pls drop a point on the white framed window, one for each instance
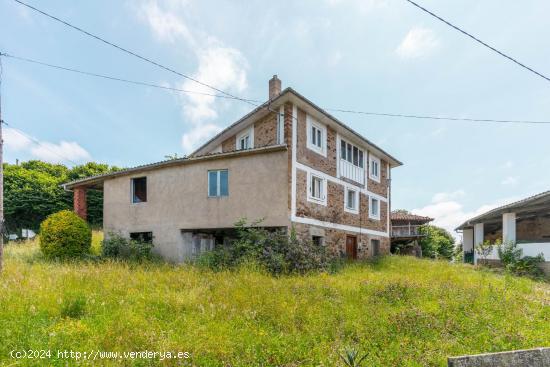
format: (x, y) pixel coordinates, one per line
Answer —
(352, 154)
(374, 168)
(316, 189)
(374, 208)
(245, 139)
(351, 200)
(316, 136)
(218, 183)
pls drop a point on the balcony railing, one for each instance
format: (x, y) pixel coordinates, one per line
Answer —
(406, 231)
(352, 172)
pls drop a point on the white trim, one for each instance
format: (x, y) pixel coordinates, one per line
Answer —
(308, 169)
(311, 122)
(294, 144)
(373, 158)
(281, 125)
(248, 131)
(388, 207)
(342, 227)
(310, 198)
(372, 215)
(356, 201)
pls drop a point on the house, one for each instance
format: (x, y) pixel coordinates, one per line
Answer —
(288, 162)
(405, 232)
(525, 222)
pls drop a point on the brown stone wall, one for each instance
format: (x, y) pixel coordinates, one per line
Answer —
(334, 210)
(532, 229)
(380, 188)
(265, 131)
(288, 141)
(228, 144)
(310, 158)
(335, 240)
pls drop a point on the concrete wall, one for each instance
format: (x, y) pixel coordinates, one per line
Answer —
(177, 199)
(539, 357)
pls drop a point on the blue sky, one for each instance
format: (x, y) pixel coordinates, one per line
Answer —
(371, 55)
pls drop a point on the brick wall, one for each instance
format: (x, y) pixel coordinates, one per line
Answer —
(265, 131)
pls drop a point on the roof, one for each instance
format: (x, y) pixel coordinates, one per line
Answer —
(408, 217)
(532, 204)
(94, 180)
(289, 93)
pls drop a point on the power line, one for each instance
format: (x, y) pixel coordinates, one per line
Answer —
(143, 58)
(477, 40)
(119, 79)
(382, 114)
(422, 117)
(38, 142)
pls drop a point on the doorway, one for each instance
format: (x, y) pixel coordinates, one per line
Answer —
(351, 247)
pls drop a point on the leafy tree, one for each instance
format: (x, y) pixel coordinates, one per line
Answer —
(437, 243)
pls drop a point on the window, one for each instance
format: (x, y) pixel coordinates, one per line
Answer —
(316, 136)
(374, 171)
(375, 244)
(351, 200)
(146, 237)
(318, 240)
(139, 190)
(374, 208)
(317, 187)
(351, 153)
(218, 183)
(245, 139)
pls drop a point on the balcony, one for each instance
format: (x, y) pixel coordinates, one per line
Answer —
(352, 172)
(406, 231)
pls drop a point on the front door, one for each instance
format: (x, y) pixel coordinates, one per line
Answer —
(351, 247)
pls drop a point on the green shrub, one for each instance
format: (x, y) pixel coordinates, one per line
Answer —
(276, 251)
(513, 260)
(65, 235)
(73, 307)
(117, 247)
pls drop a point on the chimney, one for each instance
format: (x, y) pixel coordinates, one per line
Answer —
(274, 87)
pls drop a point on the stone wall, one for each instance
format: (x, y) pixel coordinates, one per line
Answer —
(539, 357)
(532, 229)
(334, 210)
(265, 131)
(335, 240)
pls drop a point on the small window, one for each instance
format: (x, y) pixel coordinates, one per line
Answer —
(375, 244)
(318, 240)
(139, 190)
(146, 237)
(316, 136)
(281, 126)
(374, 208)
(245, 140)
(351, 199)
(374, 171)
(316, 187)
(218, 183)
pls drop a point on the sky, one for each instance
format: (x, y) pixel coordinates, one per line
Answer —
(368, 55)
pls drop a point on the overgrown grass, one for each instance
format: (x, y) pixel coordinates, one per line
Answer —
(401, 311)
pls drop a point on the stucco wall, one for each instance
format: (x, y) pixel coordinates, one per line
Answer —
(177, 199)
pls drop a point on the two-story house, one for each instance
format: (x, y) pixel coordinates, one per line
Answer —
(288, 162)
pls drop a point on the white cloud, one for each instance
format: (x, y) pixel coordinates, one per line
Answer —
(417, 43)
(43, 150)
(218, 65)
(510, 181)
(448, 213)
(198, 135)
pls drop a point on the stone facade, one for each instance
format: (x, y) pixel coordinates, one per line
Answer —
(265, 131)
(228, 144)
(535, 229)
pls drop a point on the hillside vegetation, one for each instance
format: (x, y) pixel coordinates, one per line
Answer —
(401, 311)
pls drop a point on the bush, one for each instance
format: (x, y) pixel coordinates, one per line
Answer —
(73, 307)
(117, 247)
(511, 257)
(276, 251)
(65, 235)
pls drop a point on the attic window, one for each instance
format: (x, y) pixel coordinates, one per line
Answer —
(139, 190)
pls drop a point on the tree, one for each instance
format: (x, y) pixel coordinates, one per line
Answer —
(437, 242)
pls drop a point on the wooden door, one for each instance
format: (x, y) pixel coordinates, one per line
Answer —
(351, 247)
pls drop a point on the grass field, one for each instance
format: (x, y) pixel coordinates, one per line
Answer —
(401, 311)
